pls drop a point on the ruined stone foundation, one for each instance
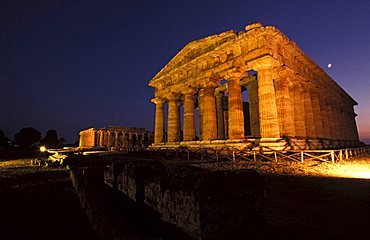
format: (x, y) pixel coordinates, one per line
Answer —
(204, 204)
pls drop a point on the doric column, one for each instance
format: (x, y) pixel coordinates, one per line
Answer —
(267, 102)
(298, 108)
(235, 104)
(352, 129)
(92, 139)
(332, 121)
(220, 115)
(108, 140)
(116, 138)
(159, 120)
(349, 115)
(96, 138)
(209, 112)
(345, 123)
(189, 116)
(284, 105)
(254, 108)
(173, 118)
(337, 123)
(324, 116)
(341, 122)
(317, 115)
(101, 139)
(179, 137)
(354, 136)
(308, 116)
(142, 136)
(200, 112)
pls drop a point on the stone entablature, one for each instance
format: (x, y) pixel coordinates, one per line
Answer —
(291, 99)
(115, 138)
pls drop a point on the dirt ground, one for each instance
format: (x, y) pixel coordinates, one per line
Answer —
(303, 200)
(39, 203)
(309, 199)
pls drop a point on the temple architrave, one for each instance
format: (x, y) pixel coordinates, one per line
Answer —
(252, 89)
(115, 138)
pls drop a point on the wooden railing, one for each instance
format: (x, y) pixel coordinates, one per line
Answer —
(230, 154)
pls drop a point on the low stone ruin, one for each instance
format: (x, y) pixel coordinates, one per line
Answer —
(204, 204)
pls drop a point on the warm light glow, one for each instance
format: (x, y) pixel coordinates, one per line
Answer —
(352, 171)
(42, 149)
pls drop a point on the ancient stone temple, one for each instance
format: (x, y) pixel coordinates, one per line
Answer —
(115, 138)
(250, 89)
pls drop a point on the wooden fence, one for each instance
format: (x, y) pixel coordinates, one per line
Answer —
(229, 154)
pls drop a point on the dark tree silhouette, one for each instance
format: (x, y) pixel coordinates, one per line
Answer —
(61, 141)
(27, 137)
(51, 139)
(4, 141)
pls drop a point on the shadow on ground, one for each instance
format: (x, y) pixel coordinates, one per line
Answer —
(41, 205)
(303, 206)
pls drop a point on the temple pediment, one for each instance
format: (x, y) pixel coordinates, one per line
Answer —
(195, 49)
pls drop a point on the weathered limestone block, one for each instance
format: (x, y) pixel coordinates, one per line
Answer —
(112, 172)
(135, 174)
(204, 204)
(209, 204)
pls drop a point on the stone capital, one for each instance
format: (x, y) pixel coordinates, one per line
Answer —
(209, 83)
(236, 74)
(219, 94)
(264, 63)
(158, 100)
(189, 90)
(173, 96)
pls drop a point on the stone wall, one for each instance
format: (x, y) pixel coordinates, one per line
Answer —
(204, 204)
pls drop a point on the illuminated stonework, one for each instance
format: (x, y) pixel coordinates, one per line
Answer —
(115, 138)
(292, 102)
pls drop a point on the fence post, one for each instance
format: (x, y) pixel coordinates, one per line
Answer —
(346, 152)
(340, 155)
(332, 156)
(233, 156)
(254, 155)
(275, 156)
(302, 156)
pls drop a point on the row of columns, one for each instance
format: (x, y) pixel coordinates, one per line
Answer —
(308, 112)
(264, 117)
(281, 104)
(108, 138)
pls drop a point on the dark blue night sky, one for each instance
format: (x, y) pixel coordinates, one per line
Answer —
(70, 65)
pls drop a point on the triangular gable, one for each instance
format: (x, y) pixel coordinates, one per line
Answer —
(195, 49)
